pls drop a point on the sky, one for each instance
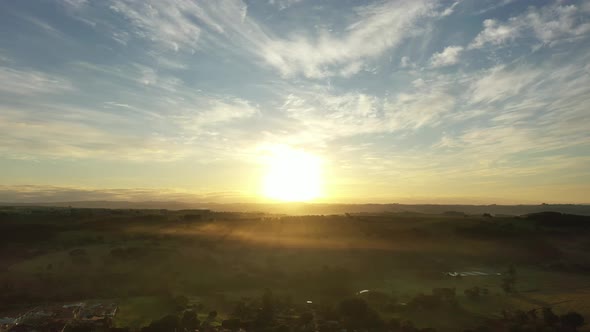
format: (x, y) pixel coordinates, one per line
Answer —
(419, 101)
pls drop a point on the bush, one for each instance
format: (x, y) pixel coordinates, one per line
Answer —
(356, 314)
(231, 324)
(165, 324)
(189, 320)
(475, 292)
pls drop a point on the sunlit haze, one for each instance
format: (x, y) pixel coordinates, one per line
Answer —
(421, 101)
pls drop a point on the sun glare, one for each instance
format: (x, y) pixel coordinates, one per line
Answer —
(292, 175)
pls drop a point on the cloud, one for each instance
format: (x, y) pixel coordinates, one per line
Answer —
(44, 26)
(31, 82)
(405, 62)
(163, 21)
(323, 116)
(555, 22)
(449, 56)
(495, 33)
(423, 108)
(538, 115)
(25, 136)
(548, 24)
(449, 10)
(65, 194)
(220, 112)
(283, 4)
(495, 5)
(75, 3)
(197, 25)
(327, 115)
(499, 83)
(189, 26)
(191, 120)
(377, 29)
(64, 131)
(351, 69)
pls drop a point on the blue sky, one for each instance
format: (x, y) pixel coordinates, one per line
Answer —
(404, 101)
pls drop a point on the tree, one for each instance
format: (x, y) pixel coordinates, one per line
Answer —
(394, 324)
(169, 323)
(306, 319)
(189, 320)
(180, 302)
(509, 280)
(408, 326)
(242, 311)
(266, 313)
(511, 270)
(549, 317)
(354, 307)
(231, 324)
(473, 293)
(210, 319)
(356, 314)
(572, 320)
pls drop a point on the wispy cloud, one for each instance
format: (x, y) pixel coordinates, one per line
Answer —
(499, 83)
(25, 136)
(75, 3)
(324, 116)
(163, 22)
(376, 29)
(283, 4)
(220, 112)
(63, 194)
(372, 30)
(449, 10)
(539, 116)
(31, 82)
(73, 133)
(44, 26)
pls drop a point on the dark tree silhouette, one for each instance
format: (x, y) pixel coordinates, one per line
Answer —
(189, 320)
(169, 323)
(572, 320)
(549, 317)
(267, 312)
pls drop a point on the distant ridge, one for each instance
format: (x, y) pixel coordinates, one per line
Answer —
(321, 208)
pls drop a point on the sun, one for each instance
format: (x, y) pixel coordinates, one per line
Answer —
(292, 175)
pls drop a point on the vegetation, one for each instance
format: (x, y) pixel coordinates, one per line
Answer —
(197, 269)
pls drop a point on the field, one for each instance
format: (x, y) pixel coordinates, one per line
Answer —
(153, 262)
